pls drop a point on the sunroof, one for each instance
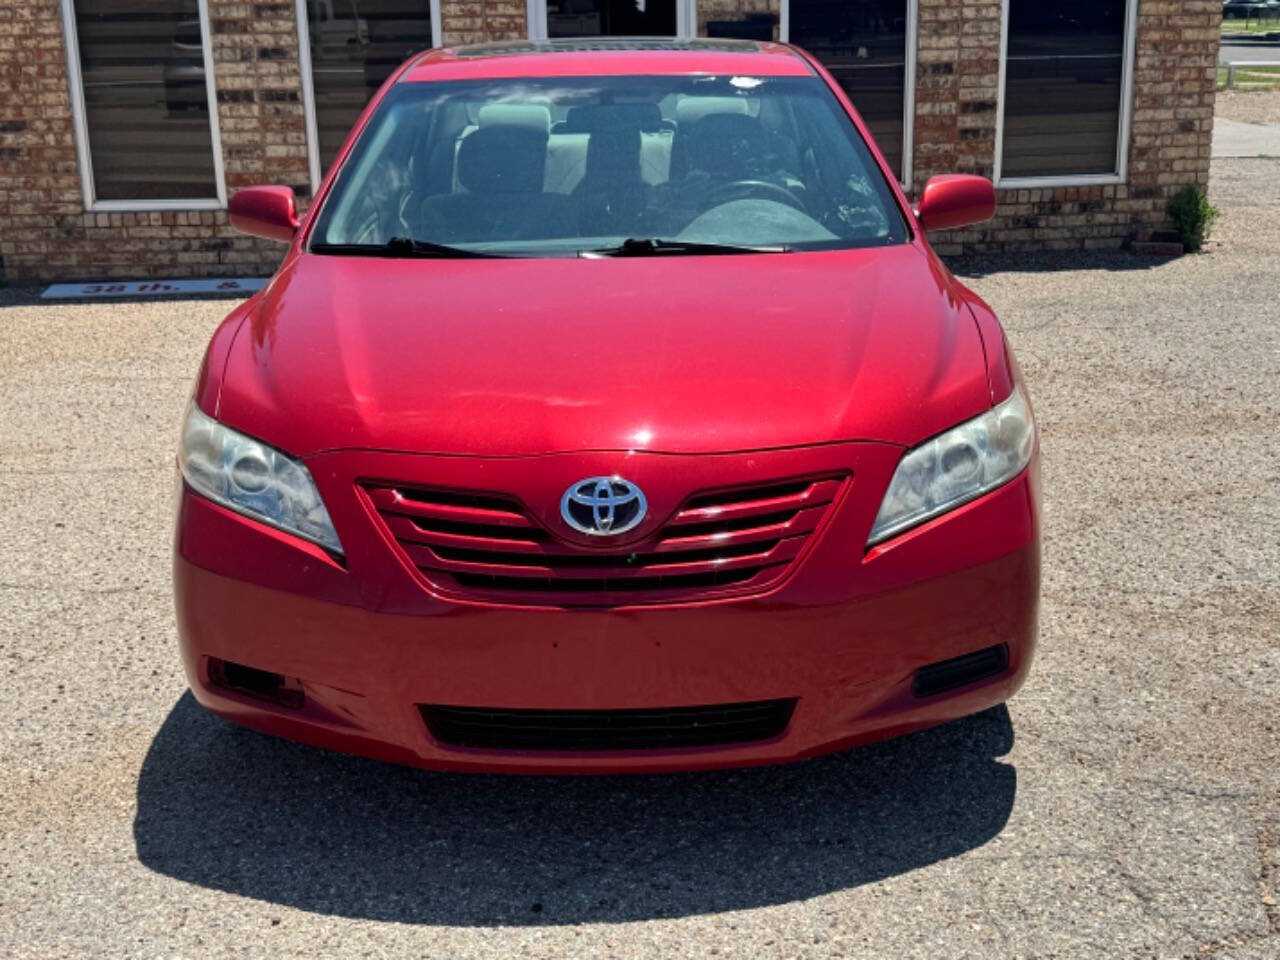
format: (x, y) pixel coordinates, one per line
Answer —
(603, 44)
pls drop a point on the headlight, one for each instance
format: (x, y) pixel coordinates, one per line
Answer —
(254, 479)
(961, 464)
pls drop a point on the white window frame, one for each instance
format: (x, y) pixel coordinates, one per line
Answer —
(1121, 174)
(309, 88)
(687, 29)
(80, 124)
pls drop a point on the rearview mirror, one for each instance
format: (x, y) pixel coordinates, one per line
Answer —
(267, 212)
(956, 200)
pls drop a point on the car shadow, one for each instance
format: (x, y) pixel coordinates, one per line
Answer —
(980, 266)
(233, 810)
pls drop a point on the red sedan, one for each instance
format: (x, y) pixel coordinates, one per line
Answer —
(609, 411)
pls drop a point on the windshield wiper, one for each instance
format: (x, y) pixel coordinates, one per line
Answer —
(404, 247)
(656, 247)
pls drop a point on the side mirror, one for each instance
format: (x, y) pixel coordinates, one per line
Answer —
(267, 212)
(956, 200)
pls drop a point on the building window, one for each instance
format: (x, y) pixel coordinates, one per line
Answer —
(869, 46)
(347, 49)
(549, 19)
(1066, 75)
(611, 18)
(141, 89)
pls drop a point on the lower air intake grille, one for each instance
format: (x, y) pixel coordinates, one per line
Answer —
(958, 672)
(646, 729)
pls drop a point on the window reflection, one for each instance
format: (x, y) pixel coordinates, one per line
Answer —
(1063, 78)
(355, 46)
(145, 99)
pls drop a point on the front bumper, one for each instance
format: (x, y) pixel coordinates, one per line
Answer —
(844, 634)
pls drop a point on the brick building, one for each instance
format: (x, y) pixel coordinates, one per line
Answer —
(125, 124)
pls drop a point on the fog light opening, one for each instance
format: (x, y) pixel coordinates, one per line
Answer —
(259, 684)
(960, 671)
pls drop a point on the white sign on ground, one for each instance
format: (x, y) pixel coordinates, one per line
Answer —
(153, 288)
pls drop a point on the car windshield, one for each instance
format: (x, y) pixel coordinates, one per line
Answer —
(617, 165)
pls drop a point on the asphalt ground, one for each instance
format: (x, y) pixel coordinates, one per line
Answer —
(1250, 50)
(1125, 804)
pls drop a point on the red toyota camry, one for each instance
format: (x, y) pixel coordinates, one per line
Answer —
(609, 411)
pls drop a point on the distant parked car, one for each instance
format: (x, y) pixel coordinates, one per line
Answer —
(184, 82)
(1242, 9)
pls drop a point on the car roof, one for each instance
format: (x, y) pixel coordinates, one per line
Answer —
(595, 57)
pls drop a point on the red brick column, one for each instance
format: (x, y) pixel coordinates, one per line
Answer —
(260, 120)
(1175, 84)
(45, 231)
(1174, 87)
(41, 210)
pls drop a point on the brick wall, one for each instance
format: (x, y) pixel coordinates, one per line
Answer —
(46, 234)
(735, 10)
(1175, 82)
(475, 21)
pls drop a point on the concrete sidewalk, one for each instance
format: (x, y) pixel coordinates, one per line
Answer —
(1232, 138)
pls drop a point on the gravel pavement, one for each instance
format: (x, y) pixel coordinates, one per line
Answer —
(1126, 803)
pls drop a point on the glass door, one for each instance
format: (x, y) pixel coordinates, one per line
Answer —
(352, 46)
(868, 45)
(609, 18)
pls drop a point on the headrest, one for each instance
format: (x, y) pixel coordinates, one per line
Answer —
(610, 116)
(503, 160)
(690, 110)
(533, 116)
(729, 145)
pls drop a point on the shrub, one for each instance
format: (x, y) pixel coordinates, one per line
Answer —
(1193, 215)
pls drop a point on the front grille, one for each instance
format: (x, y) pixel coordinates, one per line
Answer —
(647, 729)
(718, 543)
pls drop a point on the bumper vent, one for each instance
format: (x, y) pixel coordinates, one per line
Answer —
(720, 543)
(958, 672)
(648, 729)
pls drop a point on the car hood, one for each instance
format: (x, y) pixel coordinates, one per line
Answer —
(672, 354)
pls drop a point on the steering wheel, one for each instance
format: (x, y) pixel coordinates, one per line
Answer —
(742, 189)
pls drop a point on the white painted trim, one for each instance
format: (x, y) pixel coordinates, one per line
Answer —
(307, 79)
(912, 41)
(211, 91)
(79, 119)
(124, 206)
(434, 8)
(1127, 90)
(687, 18)
(1071, 180)
(1121, 173)
(998, 161)
(536, 19)
(909, 94)
(80, 127)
